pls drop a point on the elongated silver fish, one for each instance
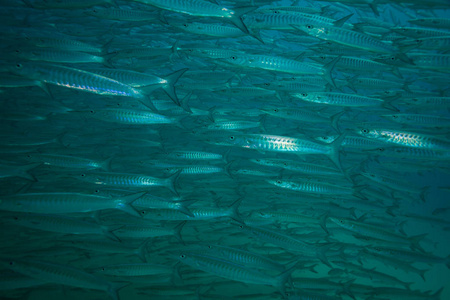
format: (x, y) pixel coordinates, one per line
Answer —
(74, 79)
(408, 139)
(59, 203)
(65, 275)
(202, 8)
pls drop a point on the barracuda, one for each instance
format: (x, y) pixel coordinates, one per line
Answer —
(74, 79)
(202, 8)
(131, 180)
(408, 139)
(281, 64)
(233, 271)
(276, 143)
(65, 275)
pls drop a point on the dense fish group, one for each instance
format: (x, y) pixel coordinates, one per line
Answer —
(195, 149)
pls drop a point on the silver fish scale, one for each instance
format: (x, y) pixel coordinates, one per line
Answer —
(76, 79)
(259, 150)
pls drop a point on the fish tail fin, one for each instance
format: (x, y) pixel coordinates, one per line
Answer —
(169, 87)
(334, 155)
(106, 63)
(184, 102)
(407, 285)
(374, 8)
(22, 171)
(323, 222)
(226, 168)
(335, 120)
(234, 212)
(126, 201)
(108, 232)
(106, 164)
(45, 88)
(113, 289)
(328, 68)
(226, 155)
(414, 240)
(257, 35)
(437, 294)
(387, 103)
(148, 101)
(422, 274)
(171, 182)
(183, 207)
(237, 18)
(284, 277)
(142, 249)
(177, 231)
(175, 278)
(424, 192)
(322, 256)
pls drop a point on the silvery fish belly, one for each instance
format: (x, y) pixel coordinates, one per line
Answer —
(251, 150)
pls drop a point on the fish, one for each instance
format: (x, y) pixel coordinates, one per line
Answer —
(74, 79)
(58, 203)
(197, 149)
(65, 275)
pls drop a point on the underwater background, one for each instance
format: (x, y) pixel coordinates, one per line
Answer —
(175, 149)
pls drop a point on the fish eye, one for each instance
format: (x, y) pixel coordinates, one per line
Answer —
(395, 116)
(233, 57)
(276, 11)
(241, 226)
(83, 175)
(182, 255)
(309, 26)
(11, 263)
(304, 94)
(232, 137)
(266, 84)
(275, 110)
(185, 25)
(381, 149)
(324, 138)
(16, 218)
(209, 247)
(19, 66)
(94, 10)
(365, 131)
(393, 58)
(341, 221)
(17, 51)
(278, 181)
(103, 269)
(92, 111)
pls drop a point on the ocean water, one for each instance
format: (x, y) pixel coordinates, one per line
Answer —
(184, 149)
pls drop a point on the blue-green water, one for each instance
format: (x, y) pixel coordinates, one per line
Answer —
(184, 149)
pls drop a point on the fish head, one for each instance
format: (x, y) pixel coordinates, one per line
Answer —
(328, 139)
(367, 132)
(303, 95)
(16, 68)
(271, 111)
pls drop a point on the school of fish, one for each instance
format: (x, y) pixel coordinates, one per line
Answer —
(196, 149)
